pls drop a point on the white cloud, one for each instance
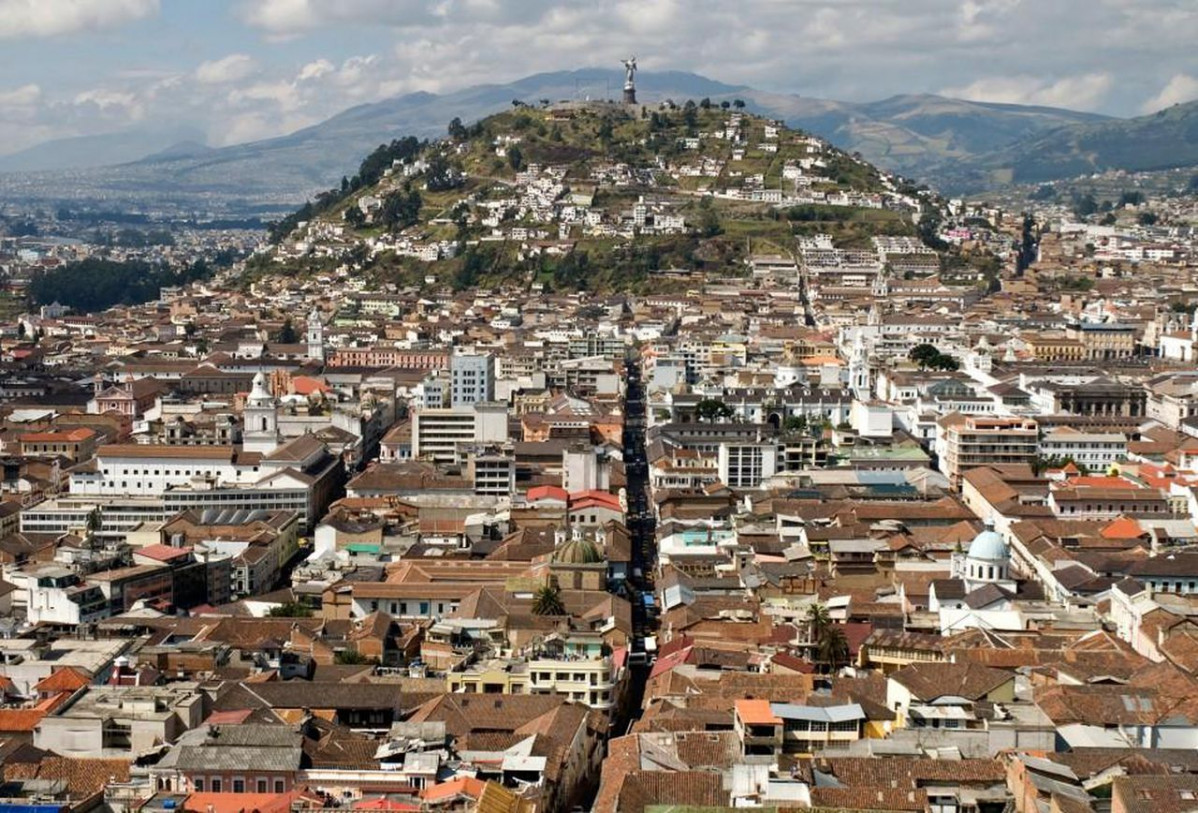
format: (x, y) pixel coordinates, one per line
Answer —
(111, 103)
(232, 68)
(1085, 92)
(48, 18)
(1107, 55)
(1181, 88)
(315, 70)
(23, 96)
(288, 18)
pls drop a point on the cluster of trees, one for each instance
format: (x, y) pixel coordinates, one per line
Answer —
(441, 175)
(1028, 245)
(712, 410)
(95, 284)
(369, 172)
(929, 231)
(475, 263)
(400, 209)
(811, 213)
(929, 358)
(133, 238)
(290, 609)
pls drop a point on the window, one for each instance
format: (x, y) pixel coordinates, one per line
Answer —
(278, 786)
(216, 785)
(239, 786)
(198, 783)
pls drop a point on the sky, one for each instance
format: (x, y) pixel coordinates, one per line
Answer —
(240, 70)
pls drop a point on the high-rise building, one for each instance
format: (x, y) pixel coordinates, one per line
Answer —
(472, 379)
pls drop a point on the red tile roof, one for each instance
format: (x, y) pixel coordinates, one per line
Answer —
(66, 679)
(756, 712)
(548, 493)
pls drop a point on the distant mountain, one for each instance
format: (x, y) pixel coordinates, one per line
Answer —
(914, 133)
(1164, 140)
(182, 149)
(951, 143)
(85, 152)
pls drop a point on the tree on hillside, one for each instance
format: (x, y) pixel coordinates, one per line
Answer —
(548, 601)
(457, 130)
(440, 175)
(739, 104)
(355, 217)
(401, 209)
(287, 334)
(515, 158)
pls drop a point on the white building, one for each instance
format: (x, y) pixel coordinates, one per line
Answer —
(1095, 450)
(440, 434)
(746, 465)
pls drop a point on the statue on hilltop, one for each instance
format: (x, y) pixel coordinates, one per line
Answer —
(629, 79)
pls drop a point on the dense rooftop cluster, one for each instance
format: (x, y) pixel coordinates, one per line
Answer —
(878, 502)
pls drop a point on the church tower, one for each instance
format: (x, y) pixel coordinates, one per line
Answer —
(315, 336)
(859, 369)
(261, 432)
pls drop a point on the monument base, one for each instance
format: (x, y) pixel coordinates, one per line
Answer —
(629, 95)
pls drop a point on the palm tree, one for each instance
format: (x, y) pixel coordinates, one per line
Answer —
(818, 620)
(95, 524)
(548, 601)
(830, 647)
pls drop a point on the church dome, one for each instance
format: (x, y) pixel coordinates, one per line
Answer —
(578, 552)
(989, 546)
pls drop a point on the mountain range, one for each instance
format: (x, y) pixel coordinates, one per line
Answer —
(953, 144)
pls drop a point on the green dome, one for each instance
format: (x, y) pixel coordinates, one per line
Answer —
(578, 552)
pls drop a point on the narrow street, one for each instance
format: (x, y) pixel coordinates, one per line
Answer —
(641, 526)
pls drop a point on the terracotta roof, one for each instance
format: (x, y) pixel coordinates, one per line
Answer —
(756, 712)
(66, 679)
(927, 681)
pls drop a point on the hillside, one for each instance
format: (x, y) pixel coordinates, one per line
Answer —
(928, 137)
(594, 195)
(914, 134)
(1164, 140)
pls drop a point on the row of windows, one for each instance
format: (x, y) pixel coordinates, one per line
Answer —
(238, 785)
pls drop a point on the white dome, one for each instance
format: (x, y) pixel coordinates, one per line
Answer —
(988, 545)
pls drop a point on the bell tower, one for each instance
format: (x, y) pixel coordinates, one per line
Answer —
(315, 336)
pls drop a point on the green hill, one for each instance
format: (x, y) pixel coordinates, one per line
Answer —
(1164, 140)
(594, 195)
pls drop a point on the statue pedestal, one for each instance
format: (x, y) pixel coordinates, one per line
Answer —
(629, 95)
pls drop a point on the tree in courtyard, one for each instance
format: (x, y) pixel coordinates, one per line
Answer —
(711, 410)
(548, 601)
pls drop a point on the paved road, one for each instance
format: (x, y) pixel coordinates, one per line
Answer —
(641, 526)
